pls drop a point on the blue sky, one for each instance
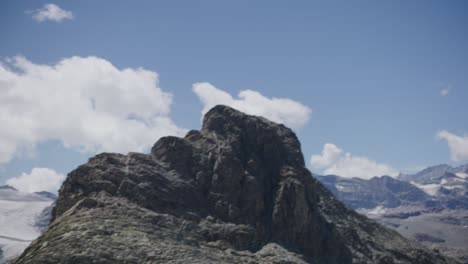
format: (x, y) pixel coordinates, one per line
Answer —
(371, 72)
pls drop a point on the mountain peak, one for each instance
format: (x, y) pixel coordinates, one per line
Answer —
(434, 173)
(238, 185)
(238, 129)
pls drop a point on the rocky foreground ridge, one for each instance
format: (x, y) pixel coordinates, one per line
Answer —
(237, 191)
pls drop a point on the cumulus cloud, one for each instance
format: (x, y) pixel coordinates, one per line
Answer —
(334, 160)
(51, 12)
(86, 103)
(458, 145)
(281, 110)
(39, 179)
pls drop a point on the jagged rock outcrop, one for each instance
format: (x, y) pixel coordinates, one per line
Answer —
(237, 191)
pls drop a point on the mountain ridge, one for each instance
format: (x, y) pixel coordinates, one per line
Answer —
(235, 191)
(432, 201)
(433, 173)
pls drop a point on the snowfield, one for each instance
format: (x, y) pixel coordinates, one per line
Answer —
(18, 216)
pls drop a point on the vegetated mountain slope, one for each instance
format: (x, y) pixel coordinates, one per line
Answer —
(19, 215)
(237, 191)
(431, 209)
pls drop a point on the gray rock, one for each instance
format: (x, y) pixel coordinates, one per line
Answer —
(43, 219)
(236, 191)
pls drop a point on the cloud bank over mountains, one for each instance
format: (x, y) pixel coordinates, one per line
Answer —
(458, 145)
(281, 110)
(334, 161)
(92, 106)
(85, 102)
(39, 179)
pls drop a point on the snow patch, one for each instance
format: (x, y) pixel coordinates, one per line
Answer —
(431, 189)
(379, 210)
(18, 216)
(454, 187)
(340, 187)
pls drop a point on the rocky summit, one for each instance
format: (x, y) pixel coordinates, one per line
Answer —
(237, 191)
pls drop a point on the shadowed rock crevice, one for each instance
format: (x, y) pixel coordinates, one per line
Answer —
(237, 191)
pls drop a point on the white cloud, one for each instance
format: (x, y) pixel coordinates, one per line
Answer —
(445, 91)
(280, 110)
(51, 12)
(86, 103)
(458, 145)
(334, 160)
(39, 179)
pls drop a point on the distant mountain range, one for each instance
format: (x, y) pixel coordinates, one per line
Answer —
(378, 191)
(435, 173)
(430, 206)
(22, 217)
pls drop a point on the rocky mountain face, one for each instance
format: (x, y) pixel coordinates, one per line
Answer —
(430, 207)
(22, 217)
(237, 191)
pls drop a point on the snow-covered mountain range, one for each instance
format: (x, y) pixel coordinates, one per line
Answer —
(22, 217)
(430, 206)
